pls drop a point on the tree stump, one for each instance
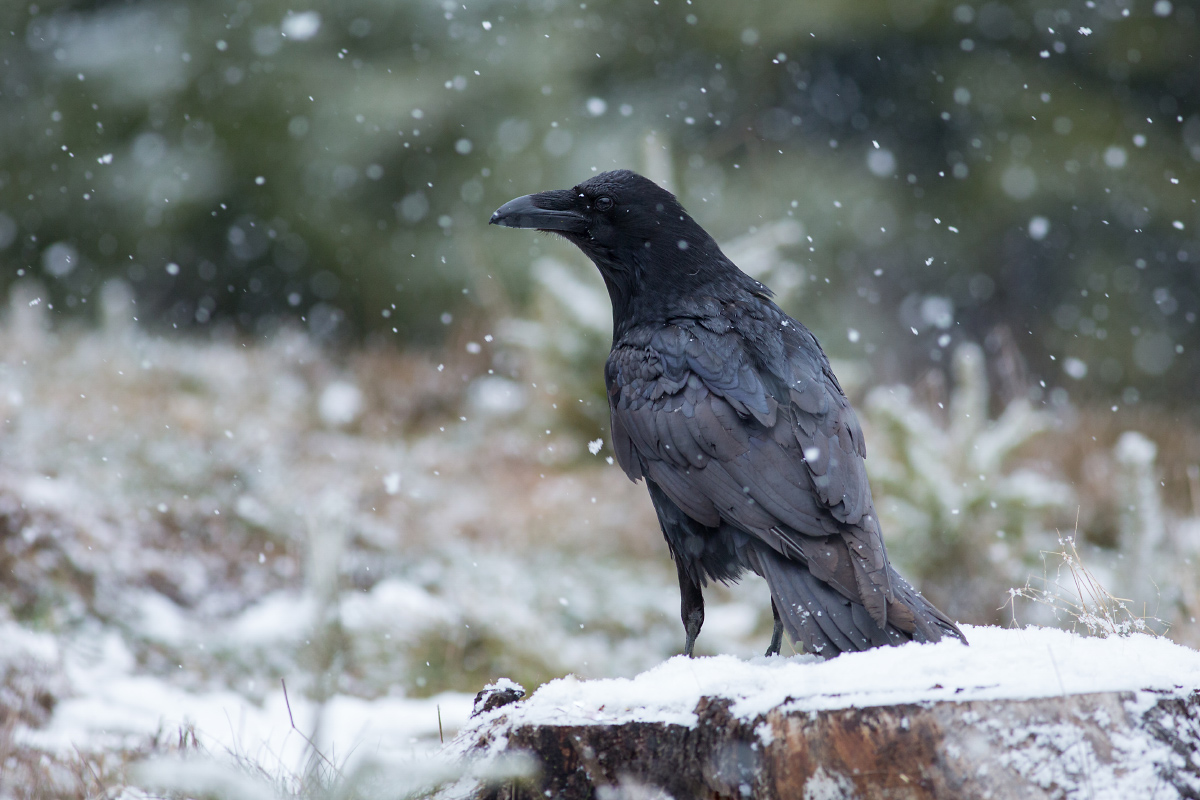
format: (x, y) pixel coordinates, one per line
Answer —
(1110, 718)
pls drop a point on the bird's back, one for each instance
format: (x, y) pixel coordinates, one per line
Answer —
(729, 409)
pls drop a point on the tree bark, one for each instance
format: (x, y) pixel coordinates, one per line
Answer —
(1106, 745)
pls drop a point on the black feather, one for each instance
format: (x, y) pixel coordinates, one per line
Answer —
(731, 412)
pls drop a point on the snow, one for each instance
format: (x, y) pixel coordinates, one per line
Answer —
(1000, 663)
(22, 644)
(1078, 750)
(279, 617)
(114, 705)
(1134, 448)
(340, 404)
(1039, 226)
(207, 590)
(301, 27)
(497, 396)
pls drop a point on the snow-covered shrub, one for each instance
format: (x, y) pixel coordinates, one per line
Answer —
(209, 504)
(1142, 520)
(1155, 565)
(960, 517)
(1142, 580)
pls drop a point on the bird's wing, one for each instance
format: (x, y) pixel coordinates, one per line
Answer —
(776, 452)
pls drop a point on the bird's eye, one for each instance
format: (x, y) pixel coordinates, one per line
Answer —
(604, 203)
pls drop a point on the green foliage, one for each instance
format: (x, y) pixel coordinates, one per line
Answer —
(1058, 142)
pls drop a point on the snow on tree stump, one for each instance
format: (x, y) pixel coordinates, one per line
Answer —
(1033, 713)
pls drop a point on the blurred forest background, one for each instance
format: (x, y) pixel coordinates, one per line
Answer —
(1023, 165)
(272, 391)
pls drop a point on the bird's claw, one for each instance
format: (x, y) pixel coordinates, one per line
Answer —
(776, 633)
(693, 631)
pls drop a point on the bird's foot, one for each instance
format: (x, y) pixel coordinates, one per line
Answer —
(776, 634)
(690, 644)
(692, 629)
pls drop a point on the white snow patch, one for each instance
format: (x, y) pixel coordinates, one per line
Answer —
(1000, 663)
(340, 404)
(124, 709)
(881, 163)
(497, 396)
(1135, 448)
(395, 605)
(279, 617)
(159, 619)
(1039, 226)
(1115, 157)
(302, 26)
(22, 644)
(828, 786)
(110, 705)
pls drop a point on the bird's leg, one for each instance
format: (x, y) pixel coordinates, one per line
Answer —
(693, 617)
(691, 602)
(777, 634)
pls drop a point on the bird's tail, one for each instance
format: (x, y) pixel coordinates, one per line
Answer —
(930, 624)
(828, 623)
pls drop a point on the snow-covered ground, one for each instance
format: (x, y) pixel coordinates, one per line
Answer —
(186, 523)
(110, 704)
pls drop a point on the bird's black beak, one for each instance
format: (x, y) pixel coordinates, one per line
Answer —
(546, 211)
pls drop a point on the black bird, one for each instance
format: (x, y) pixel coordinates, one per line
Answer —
(729, 410)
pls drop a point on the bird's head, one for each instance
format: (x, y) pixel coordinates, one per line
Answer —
(636, 233)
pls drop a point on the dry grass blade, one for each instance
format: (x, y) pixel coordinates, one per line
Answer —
(310, 742)
(1083, 598)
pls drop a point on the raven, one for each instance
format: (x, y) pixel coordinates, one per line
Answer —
(729, 410)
